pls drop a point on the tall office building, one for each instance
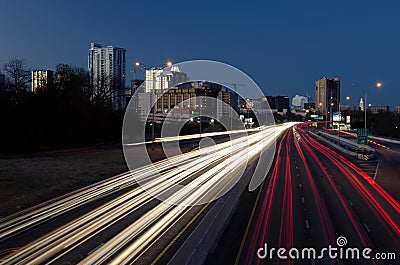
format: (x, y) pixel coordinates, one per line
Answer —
(278, 103)
(378, 109)
(282, 103)
(327, 95)
(158, 78)
(41, 79)
(361, 104)
(189, 98)
(107, 70)
(227, 103)
(298, 102)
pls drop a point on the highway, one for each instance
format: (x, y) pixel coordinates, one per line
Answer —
(313, 196)
(117, 221)
(385, 169)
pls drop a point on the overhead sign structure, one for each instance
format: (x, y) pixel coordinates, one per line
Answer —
(362, 136)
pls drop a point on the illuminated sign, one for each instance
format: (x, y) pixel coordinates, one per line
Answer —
(337, 116)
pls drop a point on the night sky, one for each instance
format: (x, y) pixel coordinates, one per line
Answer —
(283, 45)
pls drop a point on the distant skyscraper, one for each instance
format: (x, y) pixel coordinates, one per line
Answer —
(361, 104)
(377, 109)
(327, 92)
(158, 78)
(298, 102)
(41, 79)
(129, 92)
(349, 108)
(278, 103)
(107, 69)
(226, 103)
(282, 103)
(309, 105)
(258, 105)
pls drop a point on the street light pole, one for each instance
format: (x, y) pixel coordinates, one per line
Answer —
(340, 121)
(154, 105)
(201, 103)
(351, 110)
(365, 111)
(331, 104)
(154, 100)
(378, 85)
(320, 108)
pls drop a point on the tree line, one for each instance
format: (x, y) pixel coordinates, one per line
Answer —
(68, 112)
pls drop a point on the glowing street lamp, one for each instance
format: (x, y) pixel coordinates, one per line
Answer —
(320, 107)
(168, 64)
(378, 85)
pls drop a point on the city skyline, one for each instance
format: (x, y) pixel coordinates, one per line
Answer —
(199, 132)
(284, 47)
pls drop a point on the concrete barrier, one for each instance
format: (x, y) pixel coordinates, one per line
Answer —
(359, 154)
(384, 139)
(346, 142)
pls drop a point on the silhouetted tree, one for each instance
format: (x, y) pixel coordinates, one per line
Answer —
(102, 92)
(82, 81)
(384, 123)
(64, 75)
(17, 75)
(2, 83)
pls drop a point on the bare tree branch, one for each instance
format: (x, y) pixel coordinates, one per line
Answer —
(18, 75)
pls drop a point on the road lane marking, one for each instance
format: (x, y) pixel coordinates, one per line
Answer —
(239, 254)
(366, 227)
(351, 204)
(182, 231)
(376, 171)
(180, 234)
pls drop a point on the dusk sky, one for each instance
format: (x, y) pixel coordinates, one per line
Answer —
(283, 45)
